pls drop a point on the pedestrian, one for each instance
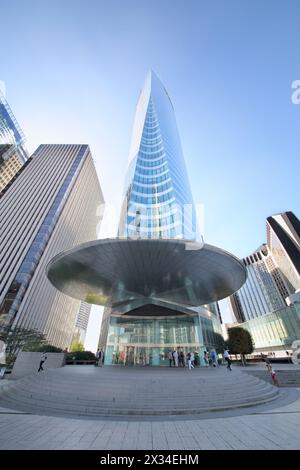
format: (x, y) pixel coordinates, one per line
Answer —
(273, 374)
(192, 359)
(100, 360)
(179, 359)
(213, 356)
(206, 359)
(189, 359)
(227, 359)
(97, 355)
(43, 359)
(170, 357)
(182, 358)
(175, 358)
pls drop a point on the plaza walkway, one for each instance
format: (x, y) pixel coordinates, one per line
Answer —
(271, 425)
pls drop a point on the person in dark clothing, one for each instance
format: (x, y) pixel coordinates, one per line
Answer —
(182, 361)
(43, 359)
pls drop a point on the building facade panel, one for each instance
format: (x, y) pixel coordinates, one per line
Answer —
(58, 211)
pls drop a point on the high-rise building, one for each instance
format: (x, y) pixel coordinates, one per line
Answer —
(283, 238)
(158, 202)
(51, 206)
(158, 282)
(264, 289)
(82, 321)
(13, 153)
(267, 304)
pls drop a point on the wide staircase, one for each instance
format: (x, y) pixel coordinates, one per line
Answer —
(88, 391)
(286, 378)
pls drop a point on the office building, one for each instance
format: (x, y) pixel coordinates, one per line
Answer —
(13, 153)
(51, 206)
(268, 303)
(159, 284)
(81, 322)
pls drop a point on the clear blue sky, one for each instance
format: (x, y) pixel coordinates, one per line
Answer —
(73, 70)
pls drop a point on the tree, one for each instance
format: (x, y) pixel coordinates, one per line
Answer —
(240, 342)
(76, 346)
(19, 338)
(220, 343)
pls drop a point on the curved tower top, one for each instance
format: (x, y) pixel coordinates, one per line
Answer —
(158, 201)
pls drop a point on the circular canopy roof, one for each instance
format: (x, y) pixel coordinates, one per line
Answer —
(112, 272)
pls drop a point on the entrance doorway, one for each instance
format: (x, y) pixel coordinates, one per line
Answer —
(129, 357)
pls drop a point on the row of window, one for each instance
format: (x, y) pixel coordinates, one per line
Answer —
(161, 222)
(152, 148)
(151, 189)
(149, 163)
(152, 171)
(156, 180)
(152, 200)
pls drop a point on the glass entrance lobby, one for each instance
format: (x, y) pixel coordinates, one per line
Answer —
(148, 341)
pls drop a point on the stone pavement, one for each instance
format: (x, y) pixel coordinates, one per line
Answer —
(273, 426)
(272, 430)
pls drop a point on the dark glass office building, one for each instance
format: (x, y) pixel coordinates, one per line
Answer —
(13, 153)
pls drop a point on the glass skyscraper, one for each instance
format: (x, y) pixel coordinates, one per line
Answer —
(158, 202)
(264, 304)
(12, 150)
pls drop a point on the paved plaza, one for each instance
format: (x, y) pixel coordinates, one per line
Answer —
(271, 425)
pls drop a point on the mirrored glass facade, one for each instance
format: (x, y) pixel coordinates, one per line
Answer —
(273, 278)
(158, 202)
(12, 150)
(276, 330)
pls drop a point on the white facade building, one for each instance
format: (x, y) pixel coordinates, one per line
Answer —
(50, 207)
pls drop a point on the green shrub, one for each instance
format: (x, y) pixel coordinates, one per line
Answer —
(47, 348)
(81, 356)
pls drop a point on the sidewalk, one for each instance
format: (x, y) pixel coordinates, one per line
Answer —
(271, 429)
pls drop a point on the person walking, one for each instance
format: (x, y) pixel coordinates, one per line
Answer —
(175, 357)
(182, 358)
(206, 359)
(227, 359)
(43, 359)
(192, 359)
(179, 359)
(101, 356)
(190, 364)
(97, 355)
(214, 359)
(273, 374)
(170, 357)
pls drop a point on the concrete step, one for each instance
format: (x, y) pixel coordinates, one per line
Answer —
(286, 378)
(107, 391)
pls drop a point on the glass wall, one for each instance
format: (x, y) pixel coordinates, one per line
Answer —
(148, 341)
(158, 202)
(276, 329)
